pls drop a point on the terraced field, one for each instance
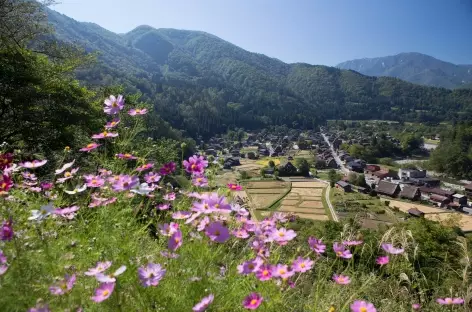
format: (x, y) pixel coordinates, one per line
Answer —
(304, 200)
(263, 194)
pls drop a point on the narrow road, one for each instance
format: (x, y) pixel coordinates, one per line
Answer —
(330, 206)
(335, 155)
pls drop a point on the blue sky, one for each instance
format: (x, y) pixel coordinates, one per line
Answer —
(313, 31)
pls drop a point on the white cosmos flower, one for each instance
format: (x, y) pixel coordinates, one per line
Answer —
(42, 213)
(78, 189)
(65, 167)
(102, 278)
(143, 189)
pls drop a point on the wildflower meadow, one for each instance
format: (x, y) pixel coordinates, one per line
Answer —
(110, 228)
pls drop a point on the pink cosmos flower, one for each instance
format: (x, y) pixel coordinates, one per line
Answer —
(175, 241)
(137, 111)
(63, 286)
(125, 183)
(240, 233)
(167, 168)
(126, 156)
(68, 212)
(169, 196)
(341, 279)
(203, 304)
(167, 229)
(235, 187)
(145, 167)
(352, 243)
(416, 306)
(200, 181)
(5, 160)
(6, 183)
(102, 278)
(99, 268)
(302, 265)
(219, 203)
(40, 307)
(104, 135)
(253, 301)
(194, 195)
(392, 250)
(152, 177)
(46, 186)
(282, 235)
(151, 274)
(6, 231)
(89, 147)
(362, 306)
(449, 301)
(203, 207)
(264, 272)
(113, 105)
(94, 180)
(33, 164)
(382, 260)
(97, 201)
(3, 263)
(250, 266)
(316, 245)
(112, 124)
(29, 176)
(203, 223)
(195, 165)
(163, 207)
(341, 251)
(180, 215)
(280, 217)
(217, 232)
(282, 271)
(103, 292)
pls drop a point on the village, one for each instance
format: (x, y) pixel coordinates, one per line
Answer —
(289, 171)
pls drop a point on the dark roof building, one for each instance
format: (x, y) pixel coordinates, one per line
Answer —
(410, 192)
(436, 191)
(388, 188)
(415, 212)
(344, 185)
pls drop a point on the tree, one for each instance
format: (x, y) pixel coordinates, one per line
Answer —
(333, 177)
(303, 166)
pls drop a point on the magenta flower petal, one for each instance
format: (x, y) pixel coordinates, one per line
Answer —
(253, 301)
(203, 304)
(103, 292)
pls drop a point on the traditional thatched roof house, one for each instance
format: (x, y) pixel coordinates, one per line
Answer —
(415, 212)
(388, 188)
(346, 187)
(410, 192)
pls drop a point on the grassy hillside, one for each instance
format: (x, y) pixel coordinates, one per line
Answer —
(171, 248)
(191, 77)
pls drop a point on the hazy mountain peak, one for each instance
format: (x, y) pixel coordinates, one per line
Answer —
(413, 67)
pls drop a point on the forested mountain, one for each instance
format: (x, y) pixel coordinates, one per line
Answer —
(414, 67)
(203, 84)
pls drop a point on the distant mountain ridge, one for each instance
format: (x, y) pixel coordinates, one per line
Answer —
(415, 68)
(203, 84)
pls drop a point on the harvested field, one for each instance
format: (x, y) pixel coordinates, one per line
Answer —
(262, 201)
(404, 207)
(310, 184)
(302, 210)
(290, 202)
(311, 204)
(316, 198)
(264, 191)
(436, 214)
(304, 200)
(316, 217)
(266, 185)
(308, 191)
